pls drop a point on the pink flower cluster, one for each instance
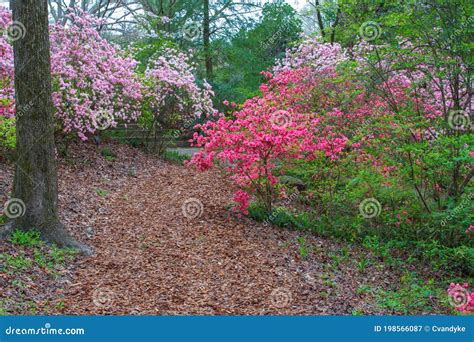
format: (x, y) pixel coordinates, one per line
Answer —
(461, 298)
(91, 78)
(314, 54)
(268, 130)
(171, 76)
(6, 68)
(311, 107)
(94, 82)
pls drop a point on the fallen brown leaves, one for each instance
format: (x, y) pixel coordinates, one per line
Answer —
(153, 258)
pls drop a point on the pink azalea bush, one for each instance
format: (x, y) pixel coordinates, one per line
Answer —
(387, 135)
(461, 298)
(269, 130)
(6, 68)
(95, 85)
(172, 95)
(92, 79)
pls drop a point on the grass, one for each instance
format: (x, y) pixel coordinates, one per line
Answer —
(29, 261)
(108, 154)
(101, 192)
(413, 294)
(35, 252)
(13, 263)
(29, 238)
(175, 157)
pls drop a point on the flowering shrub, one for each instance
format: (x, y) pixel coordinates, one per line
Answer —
(173, 100)
(461, 298)
(314, 54)
(266, 132)
(6, 68)
(92, 81)
(171, 91)
(92, 78)
(349, 134)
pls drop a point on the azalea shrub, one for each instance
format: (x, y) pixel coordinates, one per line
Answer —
(6, 68)
(97, 85)
(266, 133)
(94, 84)
(173, 99)
(356, 127)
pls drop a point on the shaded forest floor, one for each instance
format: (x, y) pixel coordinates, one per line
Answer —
(154, 259)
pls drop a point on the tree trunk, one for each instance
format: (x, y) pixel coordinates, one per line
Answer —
(320, 21)
(35, 180)
(206, 32)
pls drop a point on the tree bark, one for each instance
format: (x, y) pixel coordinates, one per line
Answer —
(35, 180)
(206, 32)
(320, 20)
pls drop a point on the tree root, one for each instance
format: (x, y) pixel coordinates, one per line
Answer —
(56, 234)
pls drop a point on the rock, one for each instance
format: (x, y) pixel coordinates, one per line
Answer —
(293, 181)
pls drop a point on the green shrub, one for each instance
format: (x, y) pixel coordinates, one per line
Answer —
(7, 136)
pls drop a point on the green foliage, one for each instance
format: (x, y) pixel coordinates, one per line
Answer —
(7, 135)
(252, 50)
(451, 260)
(30, 238)
(175, 157)
(302, 247)
(101, 192)
(16, 262)
(413, 296)
(149, 48)
(108, 154)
